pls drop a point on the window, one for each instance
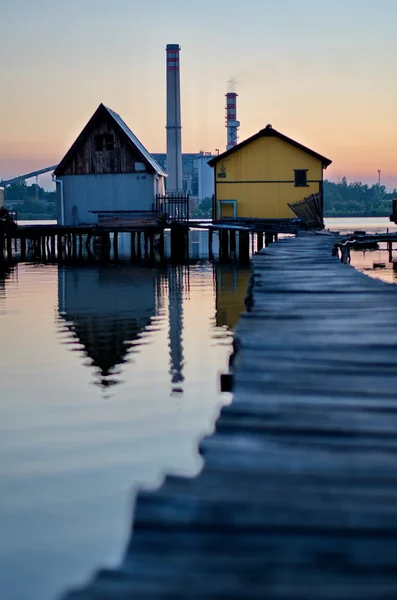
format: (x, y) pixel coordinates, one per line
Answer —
(104, 141)
(300, 177)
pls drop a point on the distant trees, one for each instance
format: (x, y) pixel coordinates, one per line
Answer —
(203, 209)
(356, 199)
(31, 202)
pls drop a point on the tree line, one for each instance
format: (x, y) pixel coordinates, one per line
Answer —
(31, 201)
(341, 199)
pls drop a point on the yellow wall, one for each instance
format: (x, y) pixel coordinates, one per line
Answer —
(260, 176)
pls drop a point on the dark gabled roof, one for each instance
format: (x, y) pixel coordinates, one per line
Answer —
(125, 132)
(269, 132)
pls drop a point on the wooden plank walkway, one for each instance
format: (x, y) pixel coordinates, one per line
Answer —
(297, 498)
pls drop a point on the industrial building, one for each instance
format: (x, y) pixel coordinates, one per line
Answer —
(260, 177)
(106, 170)
(197, 175)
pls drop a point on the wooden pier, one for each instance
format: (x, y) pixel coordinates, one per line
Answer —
(297, 497)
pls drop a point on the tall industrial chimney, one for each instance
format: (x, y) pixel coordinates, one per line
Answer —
(232, 124)
(174, 143)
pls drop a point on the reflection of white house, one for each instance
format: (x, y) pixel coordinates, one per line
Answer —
(107, 169)
(106, 309)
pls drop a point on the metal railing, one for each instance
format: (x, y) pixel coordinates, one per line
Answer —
(174, 208)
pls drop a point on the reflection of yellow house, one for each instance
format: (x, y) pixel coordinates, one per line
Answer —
(259, 177)
(231, 288)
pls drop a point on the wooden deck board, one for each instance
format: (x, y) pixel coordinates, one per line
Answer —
(297, 498)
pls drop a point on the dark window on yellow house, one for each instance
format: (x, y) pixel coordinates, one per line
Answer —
(300, 177)
(104, 141)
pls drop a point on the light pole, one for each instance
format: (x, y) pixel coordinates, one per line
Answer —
(379, 184)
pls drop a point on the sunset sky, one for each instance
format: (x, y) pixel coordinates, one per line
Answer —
(322, 73)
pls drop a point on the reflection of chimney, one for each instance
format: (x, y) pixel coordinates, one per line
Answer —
(175, 315)
(231, 119)
(173, 126)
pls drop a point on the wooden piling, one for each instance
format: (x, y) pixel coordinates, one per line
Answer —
(161, 244)
(232, 243)
(268, 238)
(259, 240)
(146, 244)
(244, 246)
(210, 239)
(116, 245)
(133, 250)
(23, 248)
(223, 244)
(9, 248)
(139, 245)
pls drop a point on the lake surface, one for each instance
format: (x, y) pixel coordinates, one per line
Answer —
(110, 375)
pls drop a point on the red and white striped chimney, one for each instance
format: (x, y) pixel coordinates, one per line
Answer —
(232, 124)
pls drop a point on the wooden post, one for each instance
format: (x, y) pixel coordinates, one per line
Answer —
(223, 244)
(233, 243)
(116, 245)
(9, 248)
(390, 251)
(268, 239)
(74, 245)
(105, 245)
(133, 251)
(139, 244)
(244, 246)
(161, 244)
(80, 246)
(151, 246)
(259, 240)
(16, 244)
(43, 248)
(23, 248)
(88, 240)
(210, 236)
(146, 244)
(59, 246)
(179, 240)
(1, 248)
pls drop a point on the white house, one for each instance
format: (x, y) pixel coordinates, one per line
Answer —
(106, 170)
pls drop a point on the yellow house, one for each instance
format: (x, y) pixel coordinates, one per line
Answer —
(259, 177)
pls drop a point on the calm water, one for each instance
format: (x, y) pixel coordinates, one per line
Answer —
(369, 261)
(109, 377)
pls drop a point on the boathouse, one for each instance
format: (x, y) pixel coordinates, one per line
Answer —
(262, 176)
(106, 171)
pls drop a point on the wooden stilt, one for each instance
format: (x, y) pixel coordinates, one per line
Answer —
(146, 244)
(268, 239)
(259, 240)
(116, 245)
(23, 248)
(244, 246)
(139, 245)
(161, 244)
(133, 249)
(232, 243)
